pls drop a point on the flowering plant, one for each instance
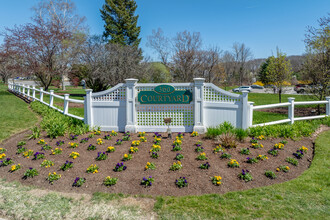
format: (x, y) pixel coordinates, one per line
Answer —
(53, 177)
(262, 157)
(180, 135)
(254, 140)
(57, 151)
(261, 137)
(135, 143)
(205, 166)
(270, 174)
(31, 172)
(74, 155)
(26, 154)
(216, 180)
(84, 140)
(181, 182)
(101, 156)
(245, 175)
(92, 169)
(108, 181)
(91, 135)
(303, 149)
(15, 167)
(67, 165)
(176, 147)
(127, 157)
(2, 155)
(155, 148)
(218, 149)
(99, 141)
(179, 156)
(283, 168)
(79, 182)
(73, 137)
(6, 162)
(154, 155)
(133, 150)
(299, 154)
(273, 152)
(143, 139)
(225, 155)
(147, 181)
(283, 141)
(279, 146)
(194, 134)
(113, 133)
(91, 147)
(2, 150)
(21, 143)
(42, 142)
(199, 148)
(107, 137)
(20, 150)
(292, 161)
(142, 134)
(111, 149)
(46, 147)
(150, 166)
(245, 151)
(119, 167)
(97, 132)
(127, 136)
(73, 145)
(201, 156)
(157, 140)
(38, 156)
(233, 163)
(257, 145)
(59, 143)
(156, 134)
(119, 142)
(47, 163)
(252, 160)
(176, 166)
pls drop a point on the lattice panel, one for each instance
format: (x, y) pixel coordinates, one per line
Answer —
(153, 115)
(117, 95)
(212, 95)
(151, 88)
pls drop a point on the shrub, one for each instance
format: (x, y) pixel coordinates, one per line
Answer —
(213, 132)
(241, 134)
(35, 133)
(227, 140)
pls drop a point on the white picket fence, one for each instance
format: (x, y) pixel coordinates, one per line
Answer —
(290, 104)
(117, 108)
(30, 92)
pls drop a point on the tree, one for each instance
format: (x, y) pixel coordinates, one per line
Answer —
(278, 71)
(8, 63)
(50, 44)
(120, 22)
(241, 55)
(262, 73)
(317, 60)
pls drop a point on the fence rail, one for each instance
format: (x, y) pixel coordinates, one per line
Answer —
(291, 104)
(26, 90)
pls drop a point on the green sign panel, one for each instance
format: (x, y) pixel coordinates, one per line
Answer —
(165, 94)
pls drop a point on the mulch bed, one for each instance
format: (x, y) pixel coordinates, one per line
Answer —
(130, 179)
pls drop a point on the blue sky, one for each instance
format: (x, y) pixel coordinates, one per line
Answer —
(261, 24)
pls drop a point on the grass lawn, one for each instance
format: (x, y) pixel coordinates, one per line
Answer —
(306, 197)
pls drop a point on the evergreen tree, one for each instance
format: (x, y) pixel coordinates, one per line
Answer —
(120, 22)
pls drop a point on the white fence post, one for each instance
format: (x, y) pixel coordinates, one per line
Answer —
(33, 93)
(130, 106)
(250, 106)
(51, 98)
(199, 105)
(245, 113)
(20, 88)
(88, 116)
(28, 91)
(327, 111)
(291, 110)
(41, 94)
(66, 104)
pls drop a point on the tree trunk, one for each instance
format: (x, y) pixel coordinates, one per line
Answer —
(279, 94)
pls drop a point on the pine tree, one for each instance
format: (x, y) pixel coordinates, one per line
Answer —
(120, 22)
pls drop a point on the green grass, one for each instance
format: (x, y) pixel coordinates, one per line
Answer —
(306, 197)
(262, 117)
(267, 98)
(15, 114)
